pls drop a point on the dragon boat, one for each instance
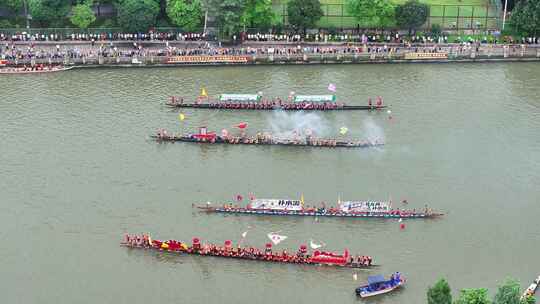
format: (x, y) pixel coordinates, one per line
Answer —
(35, 70)
(205, 137)
(257, 102)
(346, 209)
(378, 285)
(302, 256)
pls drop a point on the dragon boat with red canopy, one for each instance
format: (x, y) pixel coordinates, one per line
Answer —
(302, 256)
(261, 139)
(257, 102)
(347, 209)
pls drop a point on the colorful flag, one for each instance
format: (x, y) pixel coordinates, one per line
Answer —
(203, 92)
(314, 245)
(181, 116)
(332, 87)
(276, 238)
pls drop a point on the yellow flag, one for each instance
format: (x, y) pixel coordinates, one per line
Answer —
(181, 116)
(203, 92)
(302, 200)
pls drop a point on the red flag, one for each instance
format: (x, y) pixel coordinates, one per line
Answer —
(242, 125)
(239, 198)
(251, 197)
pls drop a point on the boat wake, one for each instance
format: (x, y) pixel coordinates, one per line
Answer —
(372, 131)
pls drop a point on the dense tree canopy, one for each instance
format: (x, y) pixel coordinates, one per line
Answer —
(187, 14)
(508, 293)
(259, 14)
(82, 15)
(411, 15)
(303, 14)
(525, 18)
(440, 293)
(371, 12)
(49, 12)
(137, 15)
(15, 5)
(473, 296)
(228, 14)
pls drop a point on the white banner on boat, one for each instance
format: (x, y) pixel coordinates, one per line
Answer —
(365, 206)
(239, 97)
(276, 204)
(315, 98)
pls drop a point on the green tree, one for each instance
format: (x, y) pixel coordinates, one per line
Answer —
(49, 12)
(82, 15)
(137, 15)
(508, 293)
(473, 296)
(528, 300)
(440, 293)
(411, 15)
(15, 5)
(525, 18)
(227, 13)
(186, 14)
(372, 12)
(303, 14)
(259, 14)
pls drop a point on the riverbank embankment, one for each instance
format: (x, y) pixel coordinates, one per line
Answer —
(189, 53)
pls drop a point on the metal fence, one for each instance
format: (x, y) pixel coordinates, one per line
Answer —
(449, 17)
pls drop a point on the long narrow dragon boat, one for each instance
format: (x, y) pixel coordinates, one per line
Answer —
(346, 209)
(204, 137)
(258, 103)
(38, 70)
(302, 256)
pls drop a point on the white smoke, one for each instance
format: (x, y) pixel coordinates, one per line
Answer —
(292, 124)
(372, 131)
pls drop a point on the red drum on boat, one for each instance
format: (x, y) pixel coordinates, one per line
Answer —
(321, 257)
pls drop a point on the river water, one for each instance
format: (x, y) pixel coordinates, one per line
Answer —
(78, 170)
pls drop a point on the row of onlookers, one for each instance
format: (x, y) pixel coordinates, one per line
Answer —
(392, 37)
(10, 50)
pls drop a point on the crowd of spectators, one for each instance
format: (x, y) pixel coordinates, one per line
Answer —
(391, 37)
(103, 48)
(103, 36)
(374, 37)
